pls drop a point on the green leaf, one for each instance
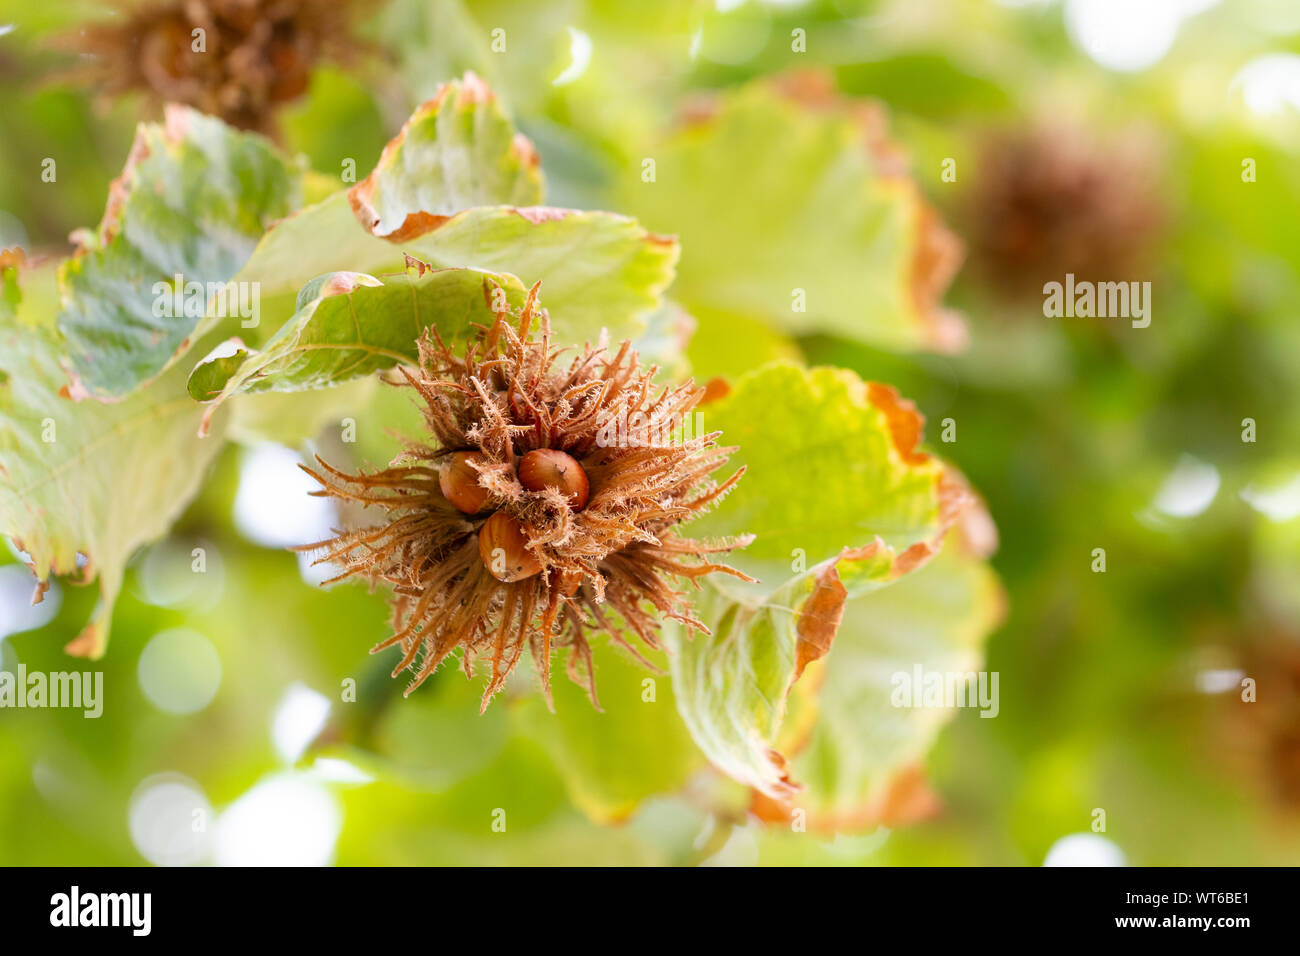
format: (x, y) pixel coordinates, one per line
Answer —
(732, 685)
(831, 464)
(612, 760)
(193, 201)
(832, 477)
(87, 483)
(597, 269)
(737, 690)
(349, 325)
(456, 151)
(459, 188)
(935, 619)
(817, 228)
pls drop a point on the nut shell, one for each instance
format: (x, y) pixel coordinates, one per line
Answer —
(515, 562)
(551, 468)
(459, 482)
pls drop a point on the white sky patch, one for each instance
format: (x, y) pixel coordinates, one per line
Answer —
(273, 506)
(17, 612)
(287, 819)
(298, 719)
(1278, 503)
(1189, 489)
(580, 57)
(170, 820)
(1084, 849)
(1218, 680)
(337, 770)
(1128, 35)
(179, 671)
(1269, 84)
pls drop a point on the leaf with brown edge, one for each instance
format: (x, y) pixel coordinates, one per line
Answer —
(823, 207)
(456, 151)
(833, 465)
(193, 200)
(834, 478)
(733, 685)
(819, 618)
(83, 485)
(460, 188)
(859, 757)
(597, 269)
(905, 798)
(349, 325)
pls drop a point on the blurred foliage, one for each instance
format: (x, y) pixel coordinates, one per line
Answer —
(1070, 429)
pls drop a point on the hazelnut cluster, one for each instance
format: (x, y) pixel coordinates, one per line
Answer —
(240, 60)
(518, 524)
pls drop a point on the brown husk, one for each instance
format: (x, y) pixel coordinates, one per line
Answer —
(610, 566)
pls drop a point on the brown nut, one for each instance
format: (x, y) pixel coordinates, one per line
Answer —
(550, 468)
(459, 482)
(501, 545)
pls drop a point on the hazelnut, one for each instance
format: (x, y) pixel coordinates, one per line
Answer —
(551, 468)
(459, 482)
(501, 545)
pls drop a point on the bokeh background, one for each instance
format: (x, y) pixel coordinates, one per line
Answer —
(1152, 141)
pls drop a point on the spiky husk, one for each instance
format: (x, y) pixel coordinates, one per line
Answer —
(1051, 200)
(256, 54)
(620, 553)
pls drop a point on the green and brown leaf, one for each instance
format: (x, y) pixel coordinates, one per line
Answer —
(87, 483)
(195, 198)
(820, 229)
(834, 484)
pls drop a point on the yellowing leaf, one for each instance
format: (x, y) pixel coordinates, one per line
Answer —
(831, 464)
(836, 492)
